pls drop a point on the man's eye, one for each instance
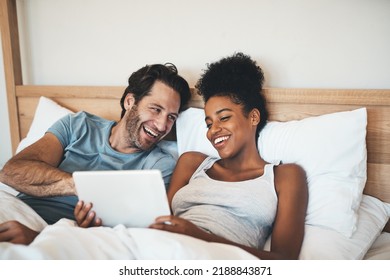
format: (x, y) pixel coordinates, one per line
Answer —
(172, 118)
(225, 118)
(208, 125)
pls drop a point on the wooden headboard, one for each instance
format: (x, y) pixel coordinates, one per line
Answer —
(284, 104)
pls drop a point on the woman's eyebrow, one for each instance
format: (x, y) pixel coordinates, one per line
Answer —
(219, 112)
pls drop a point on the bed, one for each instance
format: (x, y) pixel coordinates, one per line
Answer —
(340, 136)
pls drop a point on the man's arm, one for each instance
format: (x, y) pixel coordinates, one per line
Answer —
(34, 170)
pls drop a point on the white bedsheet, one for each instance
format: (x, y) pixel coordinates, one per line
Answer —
(64, 240)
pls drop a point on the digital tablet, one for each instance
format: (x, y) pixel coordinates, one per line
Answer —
(133, 198)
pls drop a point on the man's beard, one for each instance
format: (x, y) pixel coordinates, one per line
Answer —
(133, 130)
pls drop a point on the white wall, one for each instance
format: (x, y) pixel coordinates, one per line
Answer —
(299, 43)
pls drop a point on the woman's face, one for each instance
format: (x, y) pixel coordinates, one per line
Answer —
(229, 130)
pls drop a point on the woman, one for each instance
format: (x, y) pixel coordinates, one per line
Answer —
(239, 198)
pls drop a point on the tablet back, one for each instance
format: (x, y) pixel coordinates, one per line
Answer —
(133, 198)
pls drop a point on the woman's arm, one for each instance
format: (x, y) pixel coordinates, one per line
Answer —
(288, 231)
(34, 170)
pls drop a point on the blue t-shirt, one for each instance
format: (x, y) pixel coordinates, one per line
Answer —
(85, 139)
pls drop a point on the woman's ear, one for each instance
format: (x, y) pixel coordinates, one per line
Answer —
(255, 116)
(129, 101)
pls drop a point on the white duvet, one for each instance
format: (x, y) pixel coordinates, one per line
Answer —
(64, 240)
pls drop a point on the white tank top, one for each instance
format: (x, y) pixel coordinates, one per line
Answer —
(242, 212)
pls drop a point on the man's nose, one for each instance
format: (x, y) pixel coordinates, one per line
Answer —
(161, 123)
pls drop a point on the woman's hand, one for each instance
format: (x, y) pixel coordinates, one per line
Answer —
(178, 225)
(84, 216)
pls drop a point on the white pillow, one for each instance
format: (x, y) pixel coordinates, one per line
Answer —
(46, 114)
(331, 148)
(324, 244)
(191, 132)
(380, 249)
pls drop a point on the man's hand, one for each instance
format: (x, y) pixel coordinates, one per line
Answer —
(17, 233)
(84, 216)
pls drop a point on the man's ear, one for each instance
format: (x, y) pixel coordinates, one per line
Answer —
(255, 116)
(129, 101)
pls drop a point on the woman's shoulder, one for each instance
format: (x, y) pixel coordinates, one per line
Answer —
(289, 174)
(192, 158)
(289, 168)
(186, 165)
(190, 161)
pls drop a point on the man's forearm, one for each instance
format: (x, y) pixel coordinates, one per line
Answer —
(37, 178)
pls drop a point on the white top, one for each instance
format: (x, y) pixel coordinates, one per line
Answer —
(242, 212)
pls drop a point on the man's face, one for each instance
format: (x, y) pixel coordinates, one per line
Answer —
(152, 118)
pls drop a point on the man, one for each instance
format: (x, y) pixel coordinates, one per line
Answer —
(43, 171)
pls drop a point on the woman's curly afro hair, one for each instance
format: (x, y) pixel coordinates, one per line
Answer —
(240, 78)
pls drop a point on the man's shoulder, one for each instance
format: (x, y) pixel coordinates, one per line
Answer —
(159, 158)
(83, 117)
(159, 152)
(168, 147)
(86, 115)
(80, 123)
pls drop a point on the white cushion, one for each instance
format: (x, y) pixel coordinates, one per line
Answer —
(331, 148)
(324, 244)
(46, 114)
(191, 132)
(380, 249)
(321, 243)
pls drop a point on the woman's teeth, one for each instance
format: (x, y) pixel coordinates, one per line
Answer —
(220, 139)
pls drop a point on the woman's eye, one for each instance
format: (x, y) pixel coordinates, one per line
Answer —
(208, 125)
(225, 118)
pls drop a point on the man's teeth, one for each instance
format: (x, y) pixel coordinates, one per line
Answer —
(151, 132)
(220, 139)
